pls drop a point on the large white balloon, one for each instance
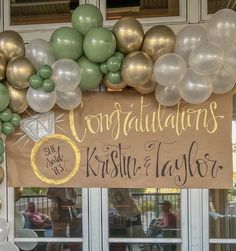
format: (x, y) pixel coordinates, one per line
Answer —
(66, 75)
(188, 39)
(206, 59)
(39, 52)
(69, 100)
(169, 69)
(8, 246)
(222, 28)
(41, 101)
(26, 233)
(222, 82)
(195, 88)
(230, 61)
(167, 96)
(4, 229)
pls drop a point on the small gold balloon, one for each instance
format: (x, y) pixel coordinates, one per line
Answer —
(0, 203)
(3, 64)
(148, 88)
(19, 71)
(18, 193)
(2, 175)
(136, 69)
(18, 101)
(159, 40)
(129, 34)
(11, 44)
(112, 86)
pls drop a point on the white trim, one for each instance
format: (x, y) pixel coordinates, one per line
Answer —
(85, 219)
(145, 240)
(222, 241)
(205, 219)
(184, 219)
(105, 219)
(54, 239)
(193, 13)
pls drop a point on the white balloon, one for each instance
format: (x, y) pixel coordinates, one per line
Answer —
(188, 39)
(4, 229)
(19, 221)
(169, 69)
(222, 28)
(66, 75)
(69, 100)
(39, 52)
(230, 61)
(167, 96)
(8, 246)
(195, 88)
(26, 233)
(206, 59)
(222, 82)
(41, 101)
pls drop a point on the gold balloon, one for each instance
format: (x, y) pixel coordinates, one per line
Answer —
(129, 34)
(2, 175)
(18, 101)
(19, 71)
(159, 40)
(112, 86)
(0, 203)
(18, 193)
(148, 88)
(136, 69)
(11, 44)
(3, 64)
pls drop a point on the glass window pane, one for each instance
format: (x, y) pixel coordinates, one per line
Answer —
(142, 8)
(139, 213)
(222, 247)
(51, 212)
(41, 11)
(215, 5)
(51, 246)
(144, 247)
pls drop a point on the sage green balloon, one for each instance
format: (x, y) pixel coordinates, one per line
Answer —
(6, 115)
(91, 75)
(103, 68)
(4, 97)
(1, 159)
(48, 85)
(119, 55)
(99, 44)
(113, 64)
(35, 81)
(45, 71)
(67, 42)
(2, 150)
(1, 141)
(8, 128)
(85, 17)
(16, 118)
(114, 77)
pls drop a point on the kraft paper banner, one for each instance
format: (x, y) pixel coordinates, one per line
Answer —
(122, 139)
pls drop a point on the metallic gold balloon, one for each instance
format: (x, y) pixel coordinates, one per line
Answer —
(18, 193)
(148, 88)
(112, 86)
(2, 175)
(3, 64)
(11, 45)
(136, 69)
(0, 203)
(129, 34)
(18, 101)
(19, 71)
(159, 40)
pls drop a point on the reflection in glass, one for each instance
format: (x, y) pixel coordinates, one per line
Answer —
(144, 247)
(142, 8)
(222, 247)
(41, 11)
(52, 212)
(140, 213)
(215, 5)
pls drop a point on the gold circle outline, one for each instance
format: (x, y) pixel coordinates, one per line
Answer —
(75, 168)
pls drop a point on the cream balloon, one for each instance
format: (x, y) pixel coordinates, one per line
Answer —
(136, 69)
(19, 71)
(110, 85)
(18, 101)
(4, 229)
(11, 45)
(230, 61)
(167, 96)
(129, 34)
(158, 41)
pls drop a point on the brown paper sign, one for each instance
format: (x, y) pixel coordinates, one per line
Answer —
(122, 139)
